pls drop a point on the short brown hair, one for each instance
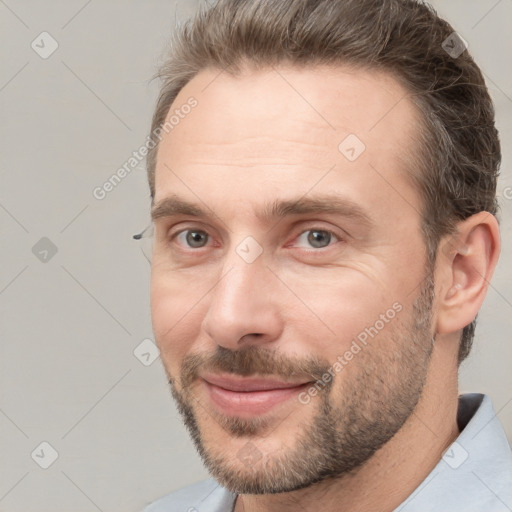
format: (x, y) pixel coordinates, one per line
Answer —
(459, 149)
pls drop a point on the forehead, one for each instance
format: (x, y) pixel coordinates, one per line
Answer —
(283, 126)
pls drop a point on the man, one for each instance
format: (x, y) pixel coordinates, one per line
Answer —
(323, 185)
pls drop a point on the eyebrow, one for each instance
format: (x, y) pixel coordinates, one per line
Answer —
(277, 209)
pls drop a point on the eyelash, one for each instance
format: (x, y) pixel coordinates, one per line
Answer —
(337, 237)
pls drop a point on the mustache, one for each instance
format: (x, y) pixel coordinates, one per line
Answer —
(251, 360)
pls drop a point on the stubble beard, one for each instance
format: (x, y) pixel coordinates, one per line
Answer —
(378, 393)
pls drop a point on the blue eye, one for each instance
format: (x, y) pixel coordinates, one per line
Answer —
(314, 238)
(318, 238)
(194, 238)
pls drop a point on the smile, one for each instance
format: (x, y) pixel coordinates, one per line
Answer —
(248, 397)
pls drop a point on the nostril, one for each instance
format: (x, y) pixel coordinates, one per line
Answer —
(254, 334)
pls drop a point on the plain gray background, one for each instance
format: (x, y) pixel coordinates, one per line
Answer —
(72, 320)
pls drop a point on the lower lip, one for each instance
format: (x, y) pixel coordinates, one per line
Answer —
(250, 403)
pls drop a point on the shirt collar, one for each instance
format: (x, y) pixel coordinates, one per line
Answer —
(475, 472)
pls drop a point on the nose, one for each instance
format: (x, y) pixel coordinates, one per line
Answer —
(244, 308)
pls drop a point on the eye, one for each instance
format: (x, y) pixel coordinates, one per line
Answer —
(197, 238)
(317, 238)
(193, 238)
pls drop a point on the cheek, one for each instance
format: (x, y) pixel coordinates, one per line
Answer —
(176, 320)
(174, 296)
(336, 302)
(345, 312)
(321, 310)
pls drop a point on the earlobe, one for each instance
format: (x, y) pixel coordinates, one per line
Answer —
(467, 260)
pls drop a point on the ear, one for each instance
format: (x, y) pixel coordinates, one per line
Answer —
(466, 263)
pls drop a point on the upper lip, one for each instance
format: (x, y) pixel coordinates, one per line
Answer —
(245, 384)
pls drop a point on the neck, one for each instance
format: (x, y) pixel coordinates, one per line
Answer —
(396, 469)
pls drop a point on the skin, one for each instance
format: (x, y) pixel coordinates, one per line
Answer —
(274, 134)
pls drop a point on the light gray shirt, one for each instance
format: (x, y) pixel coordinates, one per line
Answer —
(474, 474)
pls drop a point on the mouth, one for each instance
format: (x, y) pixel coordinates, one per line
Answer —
(248, 397)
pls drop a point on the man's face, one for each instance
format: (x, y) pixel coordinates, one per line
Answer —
(298, 343)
